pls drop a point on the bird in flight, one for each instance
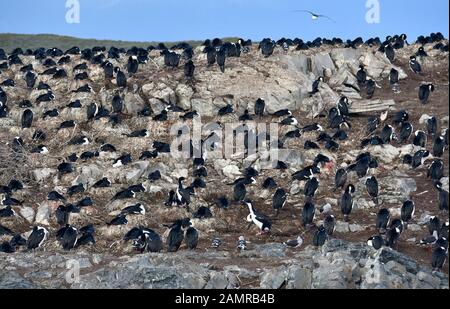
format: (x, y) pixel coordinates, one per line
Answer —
(315, 16)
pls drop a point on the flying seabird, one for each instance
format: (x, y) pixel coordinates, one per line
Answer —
(315, 16)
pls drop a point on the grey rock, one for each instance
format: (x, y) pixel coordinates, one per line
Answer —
(133, 103)
(12, 280)
(444, 181)
(194, 282)
(218, 280)
(424, 118)
(397, 189)
(41, 174)
(338, 264)
(342, 227)
(89, 175)
(204, 106)
(271, 250)
(27, 213)
(295, 188)
(299, 278)
(330, 277)
(43, 214)
(356, 228)
(157, 105)
(274, 278)
(346, 56)
(231, 171)
(163, 93)
(184, 94)
(242, 272)
(386, 153)
(322, 61)
(414, 227)
(387, 255)
(427, 278)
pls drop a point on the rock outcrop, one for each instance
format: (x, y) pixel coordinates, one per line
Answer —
(337, 265)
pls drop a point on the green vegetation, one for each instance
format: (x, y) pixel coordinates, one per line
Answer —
(9, 41)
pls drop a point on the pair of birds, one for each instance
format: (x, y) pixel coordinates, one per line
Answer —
(144, 239)
(182, 230)
(322, 233)
(241, 243)
(68, 237)
(364, 82)
(121, 219)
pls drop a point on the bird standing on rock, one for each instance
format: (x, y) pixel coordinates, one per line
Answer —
(308, 214)
(340, 178)
(221, 58)
(329, 223)
(382, 222)
(393, 234)
(311, 187)
(279, 199)
(361, 76)
(443, 196)
(346, 201)
(132, 65)
(189, 69)
(439, 258)
(376, 242)
(320, 237)
(372, 188)
(121, 79)
(69, 238)
(393, 77)
(389, 52)
(370, 88)
(414, 65)
(37, 237)
(407, 211)
(260, 106)
(27, 119)
(425, 92)
(175, 237)
(191, 237)
(315, 86)
(239, 192)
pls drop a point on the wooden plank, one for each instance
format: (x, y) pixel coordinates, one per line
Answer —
(367, 110)
(379, 101)
(371, 106)
(374, 102)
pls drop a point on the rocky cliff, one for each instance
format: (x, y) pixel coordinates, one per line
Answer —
(283, 80)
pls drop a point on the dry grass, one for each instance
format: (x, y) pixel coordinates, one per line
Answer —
(15, 165)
